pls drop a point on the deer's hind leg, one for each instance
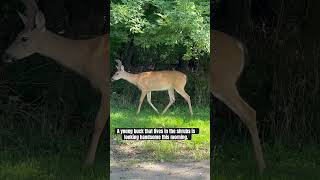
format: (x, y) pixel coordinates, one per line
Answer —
(183, 93)
(230, 96)
(172, 99)
(149, 101)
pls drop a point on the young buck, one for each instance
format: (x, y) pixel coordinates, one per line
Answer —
(227, 62)
(155, 81)
(89, 58)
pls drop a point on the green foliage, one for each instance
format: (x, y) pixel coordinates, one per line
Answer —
(152, 23)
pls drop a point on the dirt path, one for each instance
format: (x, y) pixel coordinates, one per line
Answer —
(157, 171)
(128, 163)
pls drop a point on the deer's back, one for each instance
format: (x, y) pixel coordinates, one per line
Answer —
(161, 80)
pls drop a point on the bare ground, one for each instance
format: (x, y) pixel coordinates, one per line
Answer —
(128, 163)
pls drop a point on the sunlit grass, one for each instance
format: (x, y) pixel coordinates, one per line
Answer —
(177, 117)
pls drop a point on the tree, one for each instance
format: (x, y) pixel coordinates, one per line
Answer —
(156, 23)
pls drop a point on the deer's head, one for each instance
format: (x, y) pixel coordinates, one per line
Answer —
(120, 71)
(28, 40)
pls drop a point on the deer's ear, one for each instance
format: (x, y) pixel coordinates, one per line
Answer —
(121, 68)
(40, 21)
(23, 18)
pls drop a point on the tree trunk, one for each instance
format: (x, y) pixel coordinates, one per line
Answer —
(129, 54)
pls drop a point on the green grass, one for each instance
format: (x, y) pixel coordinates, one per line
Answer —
(176, 117)
(59, 158)
(236, 161)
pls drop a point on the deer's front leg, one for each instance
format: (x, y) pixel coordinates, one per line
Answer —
(149, 101)
(100, 122)
(143, 95)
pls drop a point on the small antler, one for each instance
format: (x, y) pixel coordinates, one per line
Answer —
(119, 64)
(30, 13)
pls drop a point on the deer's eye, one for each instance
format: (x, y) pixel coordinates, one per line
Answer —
(24, 39)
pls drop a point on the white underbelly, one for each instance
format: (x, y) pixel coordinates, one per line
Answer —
(160, 89)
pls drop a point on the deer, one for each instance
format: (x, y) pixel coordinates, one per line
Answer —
(226, 66)
(149, 81)
(89, 58)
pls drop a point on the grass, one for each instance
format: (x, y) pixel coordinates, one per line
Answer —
(59, 158)
(176, 117)
(236, 161)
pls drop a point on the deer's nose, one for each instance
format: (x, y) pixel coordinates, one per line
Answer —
(7, 58)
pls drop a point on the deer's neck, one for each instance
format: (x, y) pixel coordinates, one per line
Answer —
(131, 78)
(70, 53)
